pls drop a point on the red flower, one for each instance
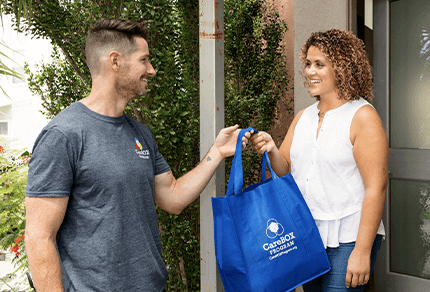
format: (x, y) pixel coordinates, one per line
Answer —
(18, 240)
(1, 149)
(14, 248)
(25, 159)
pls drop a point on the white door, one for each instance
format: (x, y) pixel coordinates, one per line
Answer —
(402, 90)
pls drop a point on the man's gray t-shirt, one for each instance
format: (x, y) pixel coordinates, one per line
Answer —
(109, 239)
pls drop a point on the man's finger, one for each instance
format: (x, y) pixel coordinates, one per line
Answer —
(231, 129)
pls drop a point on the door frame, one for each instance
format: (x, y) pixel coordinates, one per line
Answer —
(403, 163)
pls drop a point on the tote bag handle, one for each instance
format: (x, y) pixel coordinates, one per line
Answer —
(266, 161)
(235, 182)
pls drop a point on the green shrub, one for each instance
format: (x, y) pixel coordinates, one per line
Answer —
(255, 81)
(13, 180)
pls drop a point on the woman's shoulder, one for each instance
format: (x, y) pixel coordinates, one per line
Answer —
(354, 110)
(365, 113)
(356, 104)
(303, 122)
(307, 111)
(366, 121)
(297, 118)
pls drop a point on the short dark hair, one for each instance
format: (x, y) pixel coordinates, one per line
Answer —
(345, 51)
(112, 33)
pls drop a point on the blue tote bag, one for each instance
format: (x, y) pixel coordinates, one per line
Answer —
(266, 239)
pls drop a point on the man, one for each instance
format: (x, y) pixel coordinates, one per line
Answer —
(95, 174)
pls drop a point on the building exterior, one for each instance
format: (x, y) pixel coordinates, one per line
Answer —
(20, 117)
(397, 38)
(396, 34)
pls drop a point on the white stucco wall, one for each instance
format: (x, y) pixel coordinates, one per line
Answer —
(311, 16)
(22, 111)
(368, 13)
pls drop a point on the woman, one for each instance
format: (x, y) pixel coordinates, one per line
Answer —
(337, 151)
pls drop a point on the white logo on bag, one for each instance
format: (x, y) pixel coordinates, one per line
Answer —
(274, 228)
(281, 246)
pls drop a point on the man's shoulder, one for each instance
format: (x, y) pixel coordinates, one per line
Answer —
(142, 127)
(66, 113)
(68, 122)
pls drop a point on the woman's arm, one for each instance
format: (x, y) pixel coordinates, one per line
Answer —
(279, 158)
(371, 155)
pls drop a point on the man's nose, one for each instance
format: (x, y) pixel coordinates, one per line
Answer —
(151, 71)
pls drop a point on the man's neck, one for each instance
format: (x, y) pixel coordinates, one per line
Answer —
(105, 104)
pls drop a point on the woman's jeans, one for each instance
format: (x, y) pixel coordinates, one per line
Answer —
(334, 280)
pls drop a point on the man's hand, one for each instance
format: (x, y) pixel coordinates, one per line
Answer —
(174, 195)
(358, 270)
(226, 140)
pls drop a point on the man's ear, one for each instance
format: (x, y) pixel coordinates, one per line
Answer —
(115, 60)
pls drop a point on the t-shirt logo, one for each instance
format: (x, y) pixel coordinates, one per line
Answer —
(139, 150)
(137, 144)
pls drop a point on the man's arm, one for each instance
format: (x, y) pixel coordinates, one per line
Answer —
(44, 217)
(174, 195)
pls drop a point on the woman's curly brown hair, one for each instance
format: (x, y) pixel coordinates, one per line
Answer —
(345, 52)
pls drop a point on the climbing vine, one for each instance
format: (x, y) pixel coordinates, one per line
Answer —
(255, 82)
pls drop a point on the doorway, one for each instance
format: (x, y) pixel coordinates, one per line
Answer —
(401, 57)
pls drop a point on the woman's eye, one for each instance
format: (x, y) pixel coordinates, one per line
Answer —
(320, 65)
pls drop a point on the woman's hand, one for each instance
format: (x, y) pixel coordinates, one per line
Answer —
(262, 142)
(358, 270)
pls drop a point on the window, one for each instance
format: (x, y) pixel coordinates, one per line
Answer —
(19, 70)
(3, 128)
(19, 59)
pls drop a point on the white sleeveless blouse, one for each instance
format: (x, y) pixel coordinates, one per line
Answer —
(326, 173)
